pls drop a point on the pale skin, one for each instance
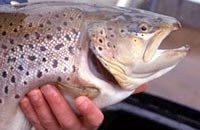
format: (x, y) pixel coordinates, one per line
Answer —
(47, 109)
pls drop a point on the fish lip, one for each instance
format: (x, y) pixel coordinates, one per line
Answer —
(154, 43)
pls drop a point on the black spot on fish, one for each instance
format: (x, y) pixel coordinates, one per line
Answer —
(37, 35)
(112, 35)
(4, 33)
(31, 46)
(68, 37)
(71, 50)
(65, 23)
(0, 26)
(27, 73)
(11, 68)
(15, 30)
(12, 79)
(22, 56)
(122, 31)
(80, 16)
(65, 69)
(71, 18)
(26, 36)
(73, 68)
(25, 83)
(48, 22)
(12, 49)
(20, 67)
(66, 58)
(21, 26)
(55, 63)
(30, 24)
(109, 28)
(59, 46)
(20, 47)
(100, 48)
(100, 40)
(4, 74)
(49, 37)
(59, 79)
(11, 41)
(57, 15)
(1, 101)
(44, 59)
(4, 46)
(31, 58)
(68, 78)
(109, 44)
(43, 48)
(41, 25)
(6, 89)
(46, 70)
(59, 28)
(39, 74)
(11, 59)
(17, 96)
(74, 31)
(40, 15)
(11, 24)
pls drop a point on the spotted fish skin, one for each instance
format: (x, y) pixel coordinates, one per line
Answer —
(50, 42)
(36, 47)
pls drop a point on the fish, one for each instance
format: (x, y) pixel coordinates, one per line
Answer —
(104, 53)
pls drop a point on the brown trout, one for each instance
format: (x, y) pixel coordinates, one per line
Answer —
(104, 53)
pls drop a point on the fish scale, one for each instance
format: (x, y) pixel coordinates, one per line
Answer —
(38, 48)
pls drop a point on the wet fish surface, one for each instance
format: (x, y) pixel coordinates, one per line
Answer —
(104, 53)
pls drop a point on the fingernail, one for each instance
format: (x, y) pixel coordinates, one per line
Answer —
(48, 89)
(34, 95)
(82, 103)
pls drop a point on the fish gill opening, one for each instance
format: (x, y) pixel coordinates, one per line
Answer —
(99, 70)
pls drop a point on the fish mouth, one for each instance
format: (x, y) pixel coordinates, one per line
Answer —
(154, 43)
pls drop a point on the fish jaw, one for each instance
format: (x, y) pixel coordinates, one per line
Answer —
(132, 57)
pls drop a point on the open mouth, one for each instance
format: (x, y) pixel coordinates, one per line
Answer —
(99, 70)
(154, 44)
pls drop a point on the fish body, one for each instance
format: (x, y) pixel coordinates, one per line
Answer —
(59, 43)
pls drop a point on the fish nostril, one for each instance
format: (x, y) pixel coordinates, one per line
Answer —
(177, 25)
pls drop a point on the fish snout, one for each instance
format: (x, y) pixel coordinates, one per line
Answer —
(177, 25)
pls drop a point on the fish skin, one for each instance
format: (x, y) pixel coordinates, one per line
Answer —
(48, 43)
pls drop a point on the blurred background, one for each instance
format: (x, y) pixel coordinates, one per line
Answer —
(181, 85)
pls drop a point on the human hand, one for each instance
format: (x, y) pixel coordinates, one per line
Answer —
(46, 108)
(140, 89)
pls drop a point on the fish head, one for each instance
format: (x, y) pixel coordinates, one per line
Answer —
(127, 47)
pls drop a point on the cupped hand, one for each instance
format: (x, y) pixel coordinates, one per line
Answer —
(47, 109)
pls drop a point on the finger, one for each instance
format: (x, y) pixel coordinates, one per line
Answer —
(92, 116)
(42, 110)
(62, 111)
(141, 88)
(30, 113)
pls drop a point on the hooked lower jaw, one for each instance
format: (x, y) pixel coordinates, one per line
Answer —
(157, 39)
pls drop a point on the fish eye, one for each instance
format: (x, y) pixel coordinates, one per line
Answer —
(144, 27)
